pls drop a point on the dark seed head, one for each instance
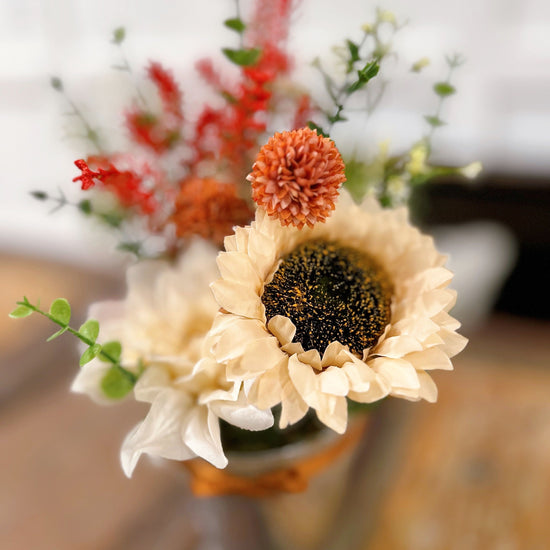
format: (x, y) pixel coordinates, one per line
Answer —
(330, 292)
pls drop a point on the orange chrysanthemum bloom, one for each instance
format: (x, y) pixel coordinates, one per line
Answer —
(209, 208)
(296, 177)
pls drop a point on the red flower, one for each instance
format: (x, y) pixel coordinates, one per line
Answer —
(296, 177)
(209, 208)
(125, 185)
(158, 132)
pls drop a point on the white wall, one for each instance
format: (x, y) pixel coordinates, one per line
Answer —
(501, 114)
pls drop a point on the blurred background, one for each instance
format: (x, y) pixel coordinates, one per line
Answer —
(487, 438)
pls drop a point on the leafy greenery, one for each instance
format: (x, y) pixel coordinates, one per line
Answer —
(118, 381)
(235, 24)
(243, 57)
(362, 61)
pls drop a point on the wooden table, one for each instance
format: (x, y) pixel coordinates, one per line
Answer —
(470, 472)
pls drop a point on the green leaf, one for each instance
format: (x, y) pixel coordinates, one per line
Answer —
(312, 126)
(39, 195)
(370, 70)
(20, 311)
(58, 333)
(243, 57)
(89, 354)
(113, 349)
(235, 24)
(354, 86)
(353, 50)
(444, 89)
(434, 121)
(119, 34)
(60, 310)
(229, 97)
(85, 206)
(115, 384)
(56, 83)
(90, 329)
(132, 247)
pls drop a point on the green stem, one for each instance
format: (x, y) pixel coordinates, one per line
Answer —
(130, 375)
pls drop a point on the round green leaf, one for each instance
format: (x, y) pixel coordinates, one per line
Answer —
(444, 89)
(90, 329)
(243, 57)
(60, 311)
(89, 354)
(20, 311)
(113, 349)
(115, 384)
(235, 24)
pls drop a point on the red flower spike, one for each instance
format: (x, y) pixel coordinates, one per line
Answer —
(87, 177)
(125, 185)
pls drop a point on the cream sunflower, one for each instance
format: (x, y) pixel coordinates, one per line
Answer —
(161, 325)
(356, 308)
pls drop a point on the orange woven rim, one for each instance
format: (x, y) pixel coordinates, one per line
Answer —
(207, 480)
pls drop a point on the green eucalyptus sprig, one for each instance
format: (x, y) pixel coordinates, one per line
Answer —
(117, 381)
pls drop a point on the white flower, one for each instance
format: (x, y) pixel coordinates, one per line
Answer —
(161, 325)
(409, 332)
(183, 420)
(164, 317)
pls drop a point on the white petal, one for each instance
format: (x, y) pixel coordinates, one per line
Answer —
(419, 328)
(397, 346)
(430, 359)
(151, 383)
(282, 328)
(331, 353)
(305, 381)
(359, 376)
(260, 355)
(428, 389)
(430, 279)
(159, 434)
(453, 342)
(236, 267)
(333, 412)
(293, 407)
(443, 319)
(378, 389)
(262, 252)
(235, 334)
(238, 298)
(334, 381)
(311, 357)
(88, 381)
(266, 390)
(243, 415)
(202, 435)
(399, 373)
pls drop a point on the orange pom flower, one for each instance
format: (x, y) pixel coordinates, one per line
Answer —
(209, 208)
(296, 177)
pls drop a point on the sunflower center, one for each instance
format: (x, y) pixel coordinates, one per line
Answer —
(330, 292)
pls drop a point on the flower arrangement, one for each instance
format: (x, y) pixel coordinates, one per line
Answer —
(289, 288)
